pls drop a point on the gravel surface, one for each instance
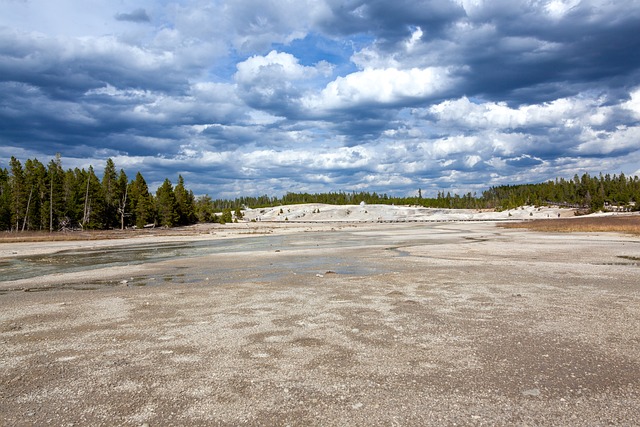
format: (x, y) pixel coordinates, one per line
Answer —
(384, 324)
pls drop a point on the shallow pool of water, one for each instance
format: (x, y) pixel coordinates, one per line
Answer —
(70, 261)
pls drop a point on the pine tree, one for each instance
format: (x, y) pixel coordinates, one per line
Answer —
(40, 203)
(204, 209)
(56, 193)
(142, 203)
(93, 208)
(238, 213)
(18, 193)
(110, 192)
(185, 201)
(37, 212)
(166, 204)
(73, 194)
(5, 200)
(226, 216)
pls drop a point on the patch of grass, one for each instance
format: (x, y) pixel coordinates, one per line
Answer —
(628, 224)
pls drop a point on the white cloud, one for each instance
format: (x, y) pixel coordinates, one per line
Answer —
(491, 115)
(471, 161)
(381, 86)
(622, 140)
(276, 82)
(446, 147)
(633, 104)
(470, 6)
(277, 66)
(416, 35)
(557, 9)
(259, 23)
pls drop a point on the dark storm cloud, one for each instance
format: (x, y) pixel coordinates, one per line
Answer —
(138, 15)
(549, 65)
(67, 68)
(386, 20)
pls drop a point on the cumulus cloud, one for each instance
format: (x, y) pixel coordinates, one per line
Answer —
(276, 81)
(378, 87)
(491, 115)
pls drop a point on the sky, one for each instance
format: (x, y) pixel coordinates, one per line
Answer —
(253, 97)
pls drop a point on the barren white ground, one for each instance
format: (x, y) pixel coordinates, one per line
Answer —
(337, 323)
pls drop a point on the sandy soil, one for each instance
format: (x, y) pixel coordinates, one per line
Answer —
(349, 324)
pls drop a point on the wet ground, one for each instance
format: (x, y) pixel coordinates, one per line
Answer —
(442, 324)
(86, 259)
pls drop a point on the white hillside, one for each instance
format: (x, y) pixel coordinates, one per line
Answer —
(317, 212)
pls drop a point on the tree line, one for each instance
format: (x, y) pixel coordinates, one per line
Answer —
(39, 197)
(35, 196)
(590, 193)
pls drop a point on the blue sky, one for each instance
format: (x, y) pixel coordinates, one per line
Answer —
(252, 97)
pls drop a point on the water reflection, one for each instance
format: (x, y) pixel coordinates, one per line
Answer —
(70, 261)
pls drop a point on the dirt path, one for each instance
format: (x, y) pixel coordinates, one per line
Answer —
(407, 324)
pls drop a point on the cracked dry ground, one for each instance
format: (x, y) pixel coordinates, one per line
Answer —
(490, 327)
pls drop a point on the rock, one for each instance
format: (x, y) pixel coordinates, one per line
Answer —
(534, 392)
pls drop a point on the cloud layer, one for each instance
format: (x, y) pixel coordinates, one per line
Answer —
(252, 97)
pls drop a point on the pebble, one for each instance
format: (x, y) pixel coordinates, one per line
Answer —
(533, 392)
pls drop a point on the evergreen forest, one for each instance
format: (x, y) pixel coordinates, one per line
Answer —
(35, 196)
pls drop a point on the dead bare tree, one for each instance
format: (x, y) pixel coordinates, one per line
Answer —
(51, 206)
(122, 209)
(26, 215)
(87, 205)
(65, 224)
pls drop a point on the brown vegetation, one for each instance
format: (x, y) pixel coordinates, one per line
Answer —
(629, 224)
(66, 236)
